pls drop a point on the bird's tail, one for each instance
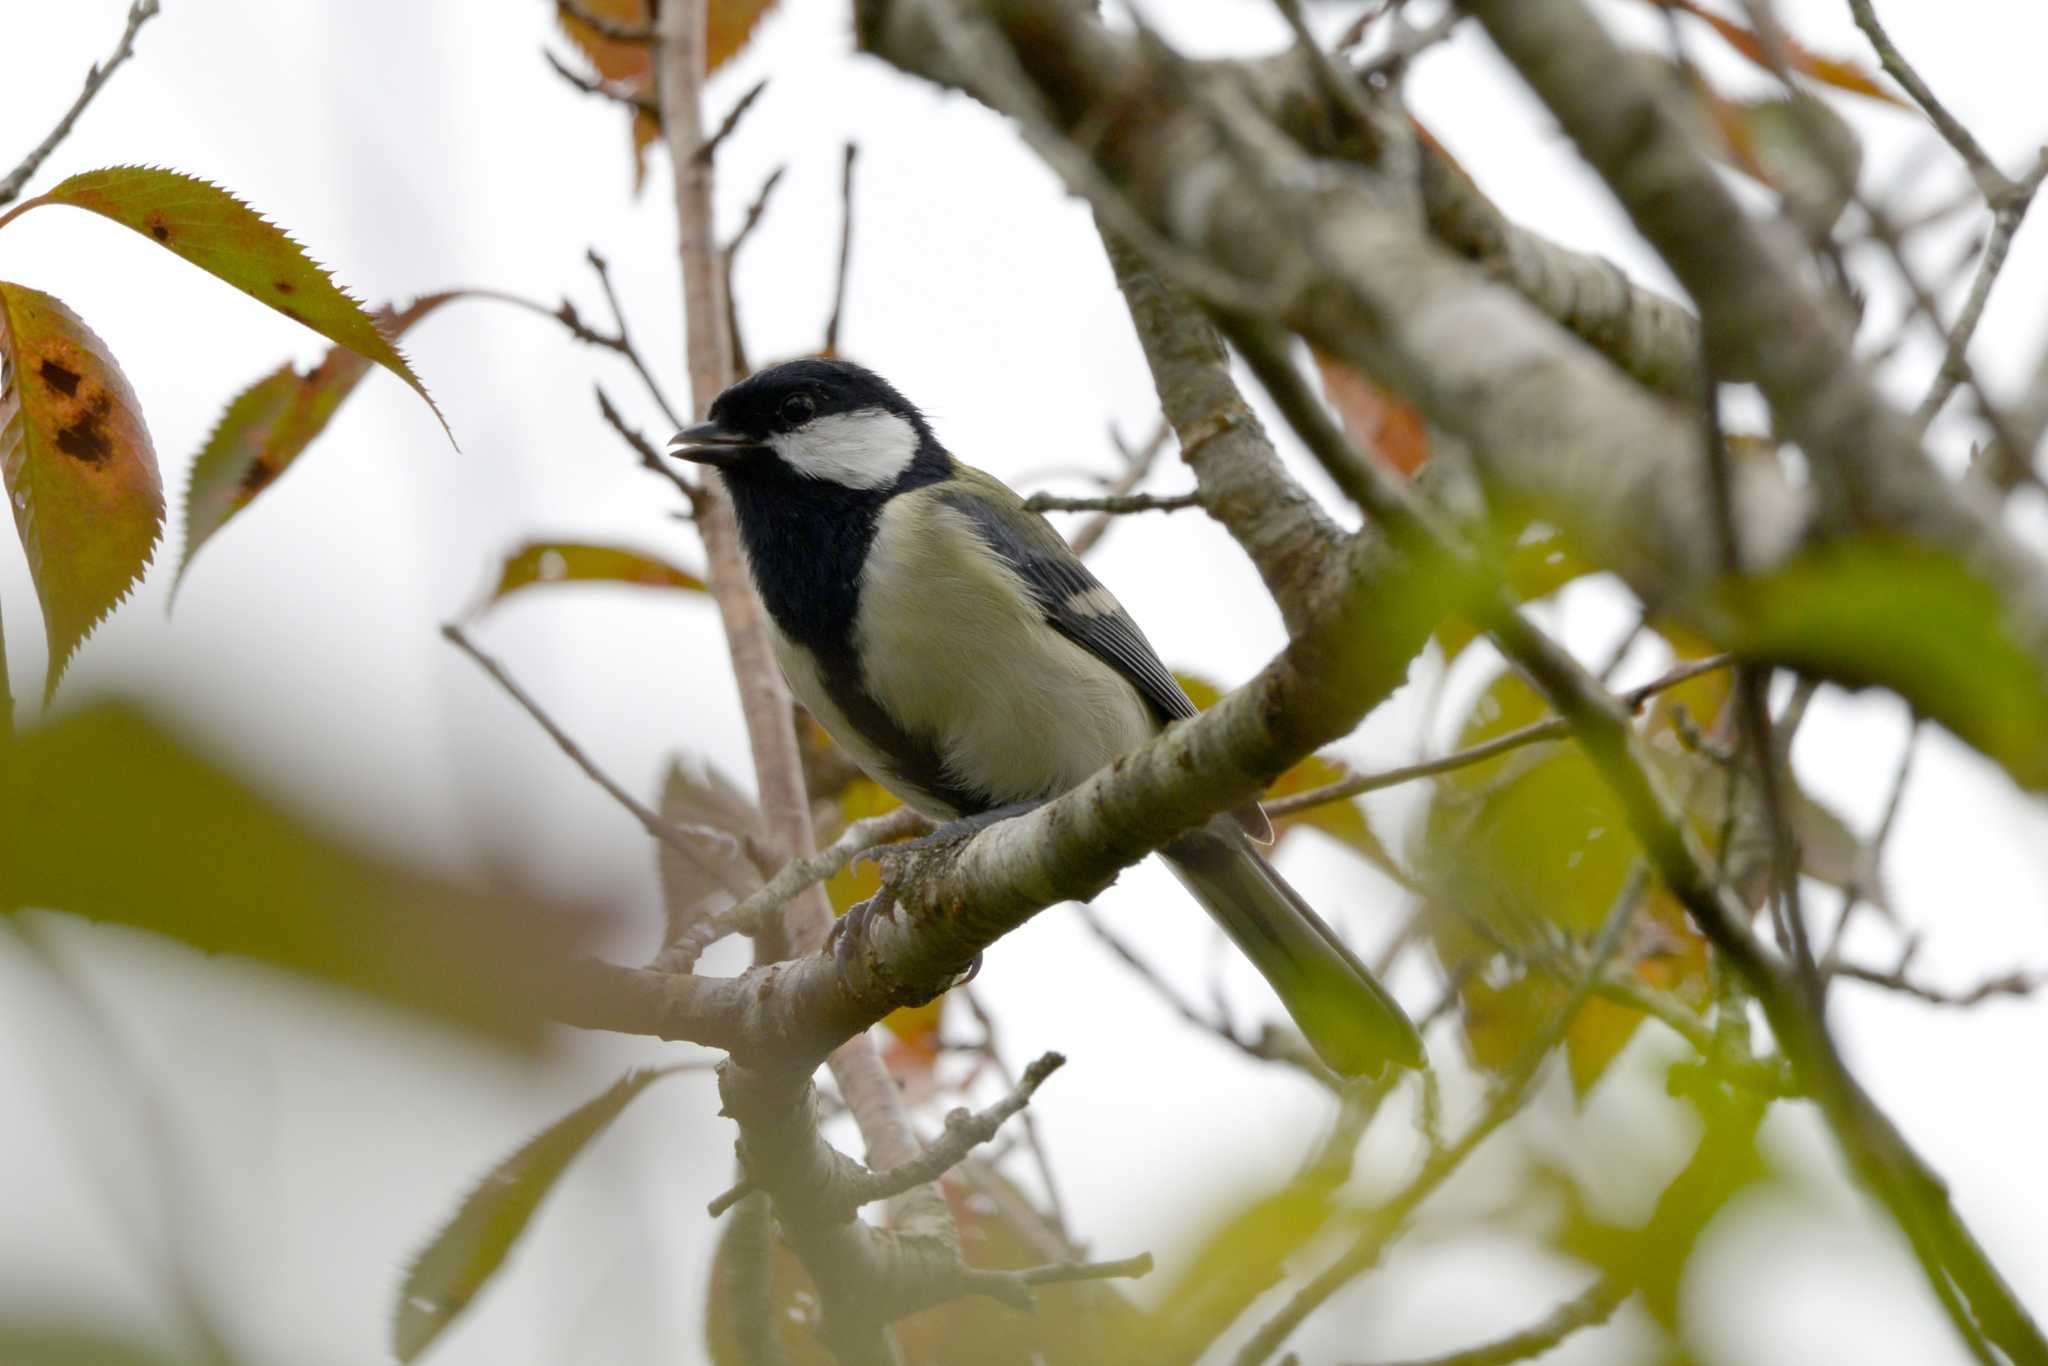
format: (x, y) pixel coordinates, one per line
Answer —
(1347, 1017)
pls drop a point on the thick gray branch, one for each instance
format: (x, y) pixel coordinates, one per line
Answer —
(1761, 312)
(1551, 423)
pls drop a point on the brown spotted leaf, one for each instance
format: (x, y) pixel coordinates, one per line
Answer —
(471, 1247)
(539, 563)
(79, 470)
(269, 425)
(232, 242)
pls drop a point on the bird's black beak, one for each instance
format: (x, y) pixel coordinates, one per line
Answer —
(707, 443)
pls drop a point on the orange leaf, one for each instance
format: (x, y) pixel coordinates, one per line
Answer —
(1380, 422)
(629, 67)
(1843, 75)
(268, 425)
(79, 469)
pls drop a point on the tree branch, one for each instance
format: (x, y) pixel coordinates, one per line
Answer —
(1116, 504)
(1589, 1309)
(96, 78)
(965, 1131)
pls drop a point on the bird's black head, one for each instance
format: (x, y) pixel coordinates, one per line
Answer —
(821, 420)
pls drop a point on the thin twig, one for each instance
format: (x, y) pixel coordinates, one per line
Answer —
(831, 347)
(96, 77)
(639, 104)
(650, 820)
(1062, 1273)
(1115, 504)
(650, 458)
(2015, 983)
(1272, 1046)
(857, 841)
(1552, 728)
(1506, 1099)
(709, 147)
(1589, 1309)
(730, 253)
(1989, 178)
(965, 1131)
(622, 338)
(1137, 468)
(992, 1050)
(1870, 874)
(611, 30)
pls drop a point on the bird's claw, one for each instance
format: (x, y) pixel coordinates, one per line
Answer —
(852, 927)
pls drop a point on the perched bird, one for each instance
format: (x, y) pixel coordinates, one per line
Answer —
(961, 653)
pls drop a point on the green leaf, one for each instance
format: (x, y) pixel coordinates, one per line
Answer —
(268, 425)
(229, 240)
(1536, 561)
(471, 1247)
(116, 820)
(79, 470)
(1242, 1257)
(40, 1342)
(1895, 614)
(540, 563)
(1345, 822)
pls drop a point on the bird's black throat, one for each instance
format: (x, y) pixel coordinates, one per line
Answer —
(806, 541)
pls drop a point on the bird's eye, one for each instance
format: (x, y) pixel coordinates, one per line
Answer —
(797, 409)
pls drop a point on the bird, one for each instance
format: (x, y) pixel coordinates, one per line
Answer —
(953, 644)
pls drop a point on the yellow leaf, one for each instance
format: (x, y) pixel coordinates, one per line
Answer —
(540, 563)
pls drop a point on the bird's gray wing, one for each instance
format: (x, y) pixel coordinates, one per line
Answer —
(1074, 601)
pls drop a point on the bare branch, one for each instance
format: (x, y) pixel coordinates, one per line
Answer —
(1501, 1104)
(831, 346)
(709, 147)
(2015, 983)
(649, 819)
(1589, 1309)
(1555, 728)
(650, 459)
(1137, 468)
(965, 1131)
(621, 340)
(1116, 504)
(1990, 180)
(859, 840)
(96, 77)
(610, 30)
(639, 104)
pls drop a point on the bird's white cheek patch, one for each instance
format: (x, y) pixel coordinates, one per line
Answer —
(864, 450)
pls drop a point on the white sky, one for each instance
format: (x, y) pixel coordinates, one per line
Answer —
(413, 146)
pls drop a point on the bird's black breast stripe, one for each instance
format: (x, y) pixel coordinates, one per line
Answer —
(1072, 599)
(807, 541)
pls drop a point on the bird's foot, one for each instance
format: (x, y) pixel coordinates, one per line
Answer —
(849, 929)
(964, 828)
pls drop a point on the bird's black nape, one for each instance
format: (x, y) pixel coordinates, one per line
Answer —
(785, 396)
